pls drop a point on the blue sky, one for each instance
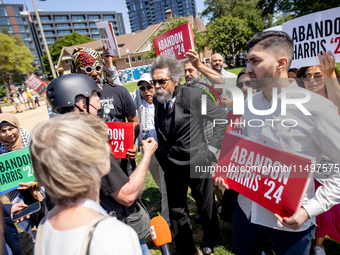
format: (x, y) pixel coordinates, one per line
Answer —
(85, 5)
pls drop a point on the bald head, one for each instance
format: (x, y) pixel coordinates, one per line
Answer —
(217, 62)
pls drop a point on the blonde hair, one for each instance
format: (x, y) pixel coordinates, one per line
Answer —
(69, 156)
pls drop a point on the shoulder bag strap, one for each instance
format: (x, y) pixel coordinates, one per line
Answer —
(85, 248)
(39, 239)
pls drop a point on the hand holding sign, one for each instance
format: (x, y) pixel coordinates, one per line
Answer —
(327, 64)
(193, 57)
(27, 185)
(219, 181)
(107, 59)
(149, 146)
(131, 154)
(296, 220)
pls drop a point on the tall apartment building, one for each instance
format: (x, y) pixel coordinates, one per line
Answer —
(13, 18)
(143, 13)
(59, 24)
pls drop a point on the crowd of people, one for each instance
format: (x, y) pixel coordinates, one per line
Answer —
(27, 97)
(91, 201)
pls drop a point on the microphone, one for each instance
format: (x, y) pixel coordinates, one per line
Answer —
(161, 234)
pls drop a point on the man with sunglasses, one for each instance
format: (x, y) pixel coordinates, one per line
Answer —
(183, 149)
(116, 102)
(143, 98)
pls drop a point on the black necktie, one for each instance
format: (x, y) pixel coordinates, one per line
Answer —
(168, 107)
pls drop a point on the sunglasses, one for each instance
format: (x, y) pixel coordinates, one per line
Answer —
(240, 84)
(160, 81)
(142, 88)
(316, 77)
(89, 69)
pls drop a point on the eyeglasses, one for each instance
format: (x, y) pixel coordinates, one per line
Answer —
(316, 77)
(160, 81)
(142, 88)
(89, 69)
(240, 84)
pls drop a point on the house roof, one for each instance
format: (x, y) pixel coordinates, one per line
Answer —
(132, 41)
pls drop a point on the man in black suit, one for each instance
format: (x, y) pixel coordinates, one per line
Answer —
(183, 152)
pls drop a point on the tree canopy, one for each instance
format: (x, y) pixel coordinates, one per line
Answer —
(297, 7)
(15, 57)
(227, 34)
(56, 47)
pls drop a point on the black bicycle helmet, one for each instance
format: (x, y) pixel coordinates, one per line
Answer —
(61, 92)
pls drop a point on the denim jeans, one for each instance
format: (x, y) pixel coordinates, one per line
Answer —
(144, 247)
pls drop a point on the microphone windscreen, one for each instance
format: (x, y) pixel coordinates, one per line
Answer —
(160, 231)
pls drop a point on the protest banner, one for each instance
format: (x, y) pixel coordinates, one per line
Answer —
(36, 84)
(121, 134)
(175, 42)
(275, 179)
(15, 167)
(108, 38)
(312, 34)
(235, 123)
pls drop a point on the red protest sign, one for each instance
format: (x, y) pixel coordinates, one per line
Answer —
(121, 134)
(235, 123)
(175, 42)
(36, 84)
(275, 179)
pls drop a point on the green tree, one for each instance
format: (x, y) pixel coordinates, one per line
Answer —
(15, 58)
(242, 9)
(297, 7)
(172, 23)
(56, 47)
(227, 34)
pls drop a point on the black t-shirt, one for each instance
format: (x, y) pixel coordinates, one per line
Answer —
(116, 105)
(116, 102)
(110, 183)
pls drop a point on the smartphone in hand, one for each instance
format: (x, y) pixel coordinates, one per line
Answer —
(28, 210)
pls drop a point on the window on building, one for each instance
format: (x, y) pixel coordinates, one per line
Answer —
(127, 61)
(61, 18)
(93, 17)
(79, 25)
(108, 17)
(50, 40)
(10, 29)
(93, 25)
(82, 31)
(22, 29)
(44, 19)
(78, 18)
(133, 59)
(19, 20)
(3, 11)
(94, 31)
(63, 26)
(139, 58)
(5, 21)
(62, 33)
(96, 37)
(16, 11)
(47, 27)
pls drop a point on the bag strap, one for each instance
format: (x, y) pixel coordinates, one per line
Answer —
(85, 248)
(39, 239)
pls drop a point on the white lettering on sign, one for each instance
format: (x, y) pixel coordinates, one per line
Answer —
(116, 134)
(170, 41)
(153, 232)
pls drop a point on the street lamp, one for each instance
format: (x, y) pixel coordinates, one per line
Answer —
(44, 40)
(128, 53)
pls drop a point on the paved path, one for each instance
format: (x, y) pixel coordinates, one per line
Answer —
(29, 118)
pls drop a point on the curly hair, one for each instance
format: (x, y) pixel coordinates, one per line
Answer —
(175, 68)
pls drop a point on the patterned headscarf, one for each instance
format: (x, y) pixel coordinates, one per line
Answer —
(83, 57)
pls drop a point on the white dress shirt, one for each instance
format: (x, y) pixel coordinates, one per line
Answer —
(314, 135)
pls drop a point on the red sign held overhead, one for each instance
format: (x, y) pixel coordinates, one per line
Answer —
(175, 42)
(275, 179)
(121, 134)
(36, 84)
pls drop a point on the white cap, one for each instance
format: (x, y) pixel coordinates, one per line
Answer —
(145, 77)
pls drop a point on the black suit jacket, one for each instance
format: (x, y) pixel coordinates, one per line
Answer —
(180, 132)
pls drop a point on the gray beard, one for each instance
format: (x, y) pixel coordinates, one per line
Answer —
(193, 81)
(167, 96)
